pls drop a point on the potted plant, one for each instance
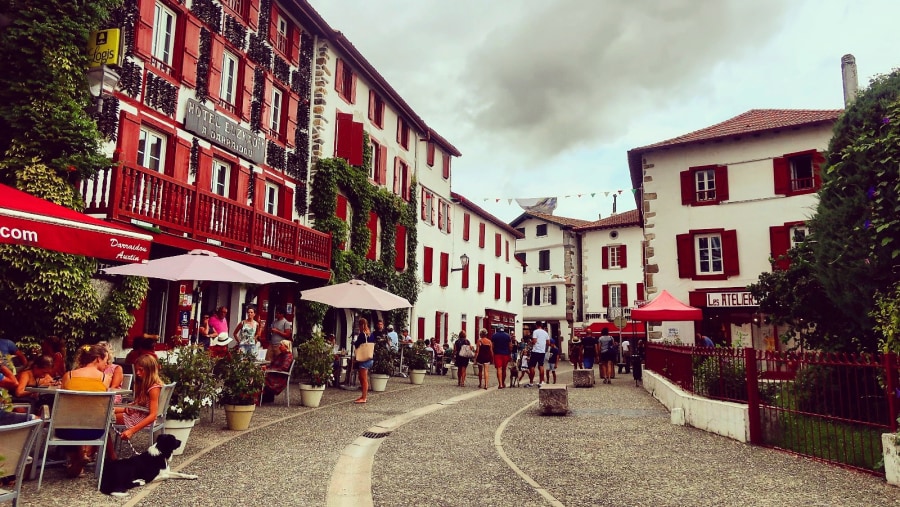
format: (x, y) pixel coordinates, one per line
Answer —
(242, 380)
(191, 368)
(382, 365)
(417, 358)
(315, 359)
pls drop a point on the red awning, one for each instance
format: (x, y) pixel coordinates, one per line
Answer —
(631, 328)
(666, 307)
(30, 221)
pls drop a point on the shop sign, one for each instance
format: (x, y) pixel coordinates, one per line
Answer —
(224, 132)
(720, 299)
(105, 48)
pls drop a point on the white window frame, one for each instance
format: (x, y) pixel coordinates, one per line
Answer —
(221, 178)
(798, 234)
(164, 26)
(615, 296)
(444, 223)
(615, 260)
(281, 40)
(228, 87)
(705, 184)
(429, 207)
(271, 203)
(709, 259)
(545, 296)
(145, 157)
(275, 110)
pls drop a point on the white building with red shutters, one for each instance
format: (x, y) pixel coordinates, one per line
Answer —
(717, 203)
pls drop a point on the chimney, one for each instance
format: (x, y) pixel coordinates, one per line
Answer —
(850, 79)
(614, 204)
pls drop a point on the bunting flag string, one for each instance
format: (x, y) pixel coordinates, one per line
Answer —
(548, 203)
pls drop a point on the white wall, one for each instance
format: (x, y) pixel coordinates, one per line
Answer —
(594, 276)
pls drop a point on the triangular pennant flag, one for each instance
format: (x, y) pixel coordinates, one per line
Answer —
(497, 200)
(593, 194)
(508, 202)
(620, 192)
(605, 194)
(579, 196)
(634, 191)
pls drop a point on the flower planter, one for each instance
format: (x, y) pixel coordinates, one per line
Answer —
(180, 429)
(891, 452)
(379, 381)
(417, 377)
(311, 396)
(238, 416)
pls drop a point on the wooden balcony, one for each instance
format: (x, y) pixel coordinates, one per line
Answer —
(129, 192)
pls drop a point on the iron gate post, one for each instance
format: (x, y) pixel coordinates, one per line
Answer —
(750, 369)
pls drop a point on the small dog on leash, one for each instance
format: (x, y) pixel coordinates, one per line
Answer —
(513, 374)
(153, 465)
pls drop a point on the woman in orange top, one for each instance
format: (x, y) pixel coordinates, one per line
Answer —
(89, 377)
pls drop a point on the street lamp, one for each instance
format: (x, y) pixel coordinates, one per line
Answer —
(464, 261)
(102, 81)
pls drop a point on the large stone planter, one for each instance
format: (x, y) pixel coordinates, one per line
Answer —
(891, 451)
(238, 416)
(417, 377)
(180, 429)
(378, 381)
(311, 396)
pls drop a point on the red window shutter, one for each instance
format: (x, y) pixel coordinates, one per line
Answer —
(730, 253)
(399, 128)
(290, 132)
(445, 268)
(342, 142)
(424, 197)
(382, 161)
(449, 219)
(269, 82)
(356, 144)
(466, 219)
(507, 250)
(497, 286)
(341, 208)
(604, 252)
(780, 243)
(818, 160)
(129, 136)
(446, 327)
(465, 277)
(143, 39)
(247, 86)
(685, 249)
(286, 202)
(420, 328)
(396, 176)
(339, 76)
(215, 67)
(446, 171)
(353, 88)
(430, 154)
(372, 105)
(481, 278)
(477, 323)
(782, 174)
(605, 295)
(721, 183)
(624, 290)
(435, 204)
(406, 182)
(688, 189)
(252, 17)
(400, 248)
(440, 214)
(438, 318)
(481, 235)
(191, 51)
(640, 292)
(427, 265)
(295, 44)
(508, 289)
(373, 235)
(623, 256)
(497, 245)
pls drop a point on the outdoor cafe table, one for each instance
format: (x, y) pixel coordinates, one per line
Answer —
(53, 389)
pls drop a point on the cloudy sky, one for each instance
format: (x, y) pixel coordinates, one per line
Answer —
(545, 97)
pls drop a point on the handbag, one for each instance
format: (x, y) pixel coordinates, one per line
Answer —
(466, 351)
(365, 351)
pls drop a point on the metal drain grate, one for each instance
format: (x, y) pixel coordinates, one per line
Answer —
(372, 434)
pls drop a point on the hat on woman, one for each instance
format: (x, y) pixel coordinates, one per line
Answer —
(222, 339)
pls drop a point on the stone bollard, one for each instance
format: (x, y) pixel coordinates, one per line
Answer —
(677, 416)
(554, 399)
(583, 378)
(453, 371)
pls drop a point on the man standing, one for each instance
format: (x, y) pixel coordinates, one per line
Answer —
(501, 344)
(395, 340)
(282, 329)
(552, 360)
(539, 339)
(626, 356)
(704, 341)
(379, 333)
(219, 321)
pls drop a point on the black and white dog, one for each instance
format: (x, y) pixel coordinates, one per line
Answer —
(153, 465)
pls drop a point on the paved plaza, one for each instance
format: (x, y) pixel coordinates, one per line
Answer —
(443, 445)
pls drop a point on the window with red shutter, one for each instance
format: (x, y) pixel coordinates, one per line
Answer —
(798, 173)
(345, 82)
(704, 185)
(373, 236)
(465, 277)
(376, 109)
(420, 328)
(507, 250)
(402, 133)
(640, 293)
(481, 278)
(348, 139)
(446, 169)
(396, 187)
(427, 266)
(400, 248)
(430, 158)
(497, 245)
(508, 289)
(708, 254)
(438, 319)
(604, 261)
(685, 247)
(605, 295)
(780, 243)
(465, 233)
(623, 256)
(445, 268)
(481, 235)
(624, 294)
(497, 286)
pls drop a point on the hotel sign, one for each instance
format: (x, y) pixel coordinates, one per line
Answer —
(720, 299)
(105, 48)
(224, 132)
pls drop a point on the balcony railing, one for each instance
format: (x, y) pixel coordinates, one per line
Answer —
(132, 192)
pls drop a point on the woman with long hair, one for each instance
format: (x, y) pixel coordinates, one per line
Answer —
(365, 336)
(147, 386)
(113, 372)
(92, 361)
(461, 362)
(484, 356)
(247, 332)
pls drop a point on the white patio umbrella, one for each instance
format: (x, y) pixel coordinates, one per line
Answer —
(355, 294)
(200, 265)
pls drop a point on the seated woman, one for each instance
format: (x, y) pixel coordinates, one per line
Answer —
(147, 386)
(92, 360)
(39, 374)
(53, 346)
(281, 361)
(113, 372)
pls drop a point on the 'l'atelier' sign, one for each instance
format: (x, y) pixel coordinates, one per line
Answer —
(224, 132)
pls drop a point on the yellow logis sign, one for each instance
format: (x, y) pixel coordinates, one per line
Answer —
(105, 47)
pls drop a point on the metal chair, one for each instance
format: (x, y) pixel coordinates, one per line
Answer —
(16, 441)
(287, 389)
(165, 398)
(127, 380)
(80, 418)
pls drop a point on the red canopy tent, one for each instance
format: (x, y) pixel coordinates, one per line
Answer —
(631, 328)
(666, 307)
(30, 221)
